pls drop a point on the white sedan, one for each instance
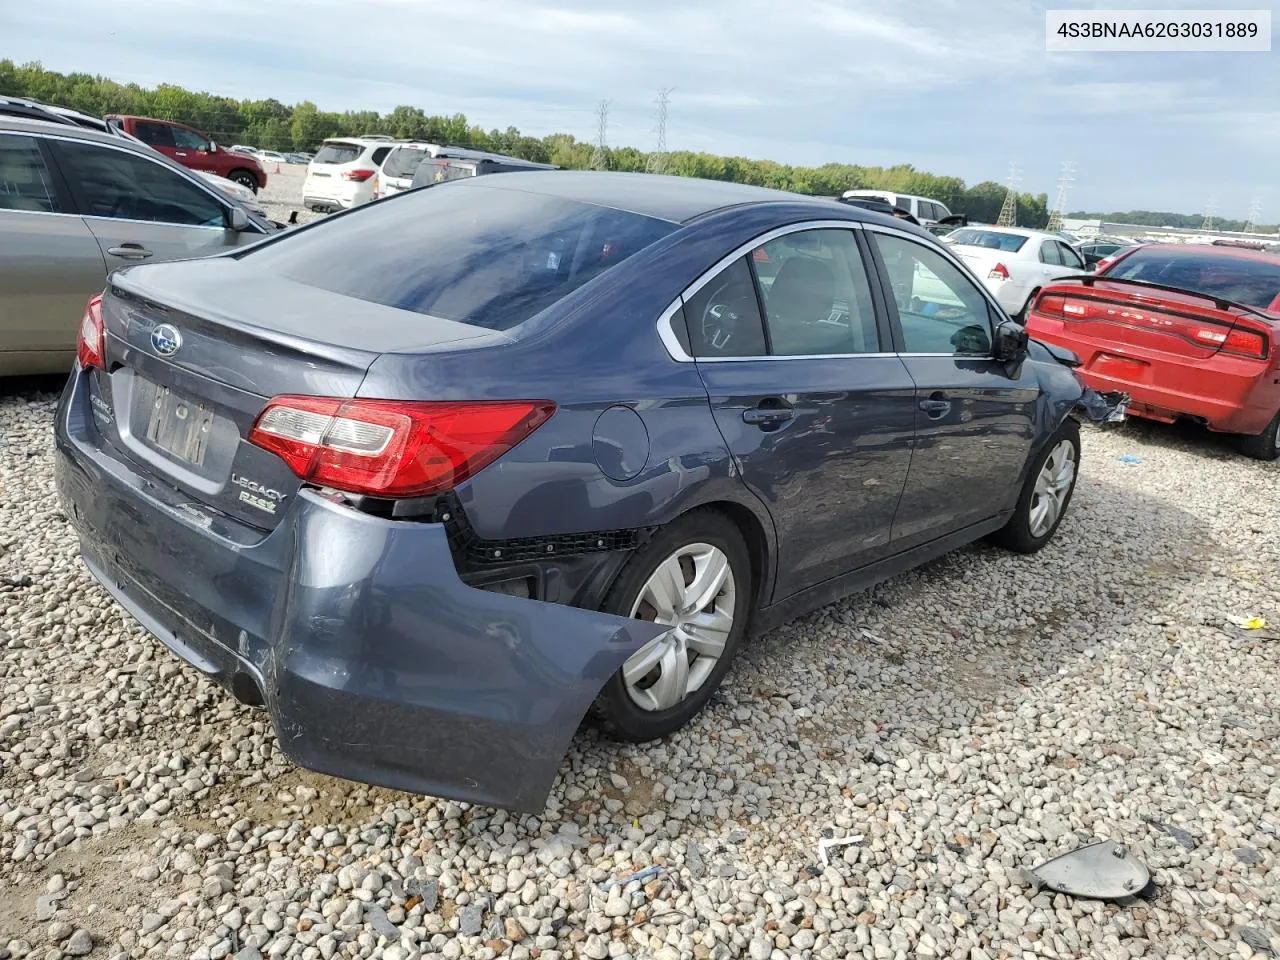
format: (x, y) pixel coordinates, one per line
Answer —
(1014, 264)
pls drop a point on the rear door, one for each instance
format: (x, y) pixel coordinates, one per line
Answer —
(50, 263)
(816, 410)
(140, 209)
(974, 421)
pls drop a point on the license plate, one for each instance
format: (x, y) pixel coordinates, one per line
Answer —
(180, 427)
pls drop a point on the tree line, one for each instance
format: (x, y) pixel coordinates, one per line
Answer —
(272, 125)
(1157, 218)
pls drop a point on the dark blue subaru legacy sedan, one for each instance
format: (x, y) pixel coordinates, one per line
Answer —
(432, 479)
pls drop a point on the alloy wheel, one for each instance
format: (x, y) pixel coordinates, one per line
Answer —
(692, 592)
(1052, 488)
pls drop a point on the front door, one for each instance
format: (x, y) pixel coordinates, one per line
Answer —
(193, 150)
(974, 418)
(816, 411)
(140, 209)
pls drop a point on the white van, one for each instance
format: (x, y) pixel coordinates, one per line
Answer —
(922, 208)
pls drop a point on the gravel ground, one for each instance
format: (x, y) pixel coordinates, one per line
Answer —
(969, 720)
(283, 193)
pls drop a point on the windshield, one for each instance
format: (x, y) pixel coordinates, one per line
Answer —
(338, 153)
(463, 251)
(403, 162)
(990, 239)
(1253, 282)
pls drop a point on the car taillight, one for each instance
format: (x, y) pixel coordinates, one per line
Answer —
(359, 176)
(998, 272)
(1245, 343)
(91, 345)
(1049, 305)
(393, 448)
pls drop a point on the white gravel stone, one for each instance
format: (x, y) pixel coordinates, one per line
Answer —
(970, 720)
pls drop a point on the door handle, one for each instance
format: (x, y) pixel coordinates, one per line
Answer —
(179, 153)
(936, 406)
(130, 251)
(768, 416)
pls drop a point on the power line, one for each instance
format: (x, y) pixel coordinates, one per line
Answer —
(600, 156)
(1060, 204)
(1009, 210)
(657, 162)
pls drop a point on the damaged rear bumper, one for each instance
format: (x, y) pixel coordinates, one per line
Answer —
(376, 662)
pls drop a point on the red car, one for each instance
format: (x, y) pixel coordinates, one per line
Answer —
(1186, 331)
(193, 149)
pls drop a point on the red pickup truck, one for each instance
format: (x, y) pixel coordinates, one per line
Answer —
(193, 149)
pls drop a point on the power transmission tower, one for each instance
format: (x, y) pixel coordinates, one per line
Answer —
(1060, 204)
(657, 162)
(1009, 211)
(600, 156)
(1255, 211)
(1210, 209)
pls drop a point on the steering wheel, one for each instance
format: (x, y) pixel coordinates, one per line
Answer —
(720, 319)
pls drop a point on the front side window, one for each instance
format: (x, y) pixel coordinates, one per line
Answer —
(185, 139)
(724, 316)
(939, 308)
(463, 251)
(121, 185)
(817, 299)
(24, 179)
(1069, 257)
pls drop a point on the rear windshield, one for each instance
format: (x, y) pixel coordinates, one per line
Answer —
(403, 161)
(990, 239)
(438, 171)
(338, 153)
(464, 252)
(1255, 283)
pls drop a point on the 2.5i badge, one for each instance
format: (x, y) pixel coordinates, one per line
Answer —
(257, 495)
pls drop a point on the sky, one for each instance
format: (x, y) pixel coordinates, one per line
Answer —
(954, 87)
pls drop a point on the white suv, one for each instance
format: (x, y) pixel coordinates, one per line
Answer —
(922, 208)
(343, 172)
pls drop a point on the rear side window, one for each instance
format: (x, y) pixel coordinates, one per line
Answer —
(338, 153)
(380, 154)
(403, 161)
(464, 252)
(24, 179)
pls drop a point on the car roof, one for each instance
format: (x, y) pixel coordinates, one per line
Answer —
(675, 199)
(73, 131)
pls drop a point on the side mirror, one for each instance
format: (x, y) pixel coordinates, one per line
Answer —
(1011, 342)
(1090, 266)
(237, 219)
(210, 147)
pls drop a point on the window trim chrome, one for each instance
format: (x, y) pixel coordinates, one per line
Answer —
(183, 172)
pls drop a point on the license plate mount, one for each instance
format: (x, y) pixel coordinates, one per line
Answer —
(180, 427)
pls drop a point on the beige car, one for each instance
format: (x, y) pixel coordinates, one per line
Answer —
(76, 204)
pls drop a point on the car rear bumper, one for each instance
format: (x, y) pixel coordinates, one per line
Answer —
(1228, 393)
(376, 662)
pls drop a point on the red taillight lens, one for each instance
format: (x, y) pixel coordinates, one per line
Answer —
(91, 345)
(392, 448)
(998, 272)
(359, 176)
(1246, 343)
(1049, 305)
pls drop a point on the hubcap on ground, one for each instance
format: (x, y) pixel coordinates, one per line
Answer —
(1052, 486)
(693, 593)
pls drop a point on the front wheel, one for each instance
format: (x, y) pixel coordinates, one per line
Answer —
(695, 578)
(1266, 445)
(1046, 493)
(244, 178)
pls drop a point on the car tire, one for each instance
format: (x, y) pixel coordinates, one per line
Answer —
(1026, 306)
(1266, 445)
(1029, 528)
(638, 706)
(245, 178)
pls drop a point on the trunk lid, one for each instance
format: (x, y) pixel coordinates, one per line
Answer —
(1140, 319)
(197, 348)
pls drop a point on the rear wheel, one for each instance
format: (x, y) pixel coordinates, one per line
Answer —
(1046, 493)
(245, 178)
(1266, 445)
(694, 577)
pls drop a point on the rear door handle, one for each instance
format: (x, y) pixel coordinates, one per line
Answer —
(768, 416)
(130, 251)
